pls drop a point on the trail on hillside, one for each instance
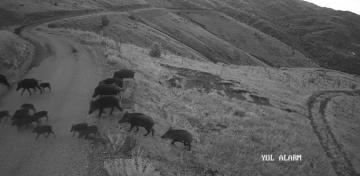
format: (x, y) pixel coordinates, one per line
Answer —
(317, 104)
(72, 76)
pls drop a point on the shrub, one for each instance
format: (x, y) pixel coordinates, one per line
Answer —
(114, 141)
(52, 25)
(131, 17)
(104, 21)
(113, 59)
(155, 50)
(353, 86)
(135, 166)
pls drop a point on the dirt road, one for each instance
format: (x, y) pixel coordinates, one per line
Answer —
(72, 76)
(317, 105)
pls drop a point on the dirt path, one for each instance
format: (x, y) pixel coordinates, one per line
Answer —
(317, 104)
(72, 76)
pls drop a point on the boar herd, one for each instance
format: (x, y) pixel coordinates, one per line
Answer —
(109, 95)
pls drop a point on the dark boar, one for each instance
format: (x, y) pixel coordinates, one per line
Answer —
(115, 81)
(89, 130)
(28, 83)
(28, 106)
(43, 129)
(104, 102)
(41, 114)
(20, 114)
(138, 119)
(121, 74)
(3, 80)
(107, 89)
(4, 113)
(78, 127)
(32, 119)
(45, 85)
(179, 136)
(21, 122)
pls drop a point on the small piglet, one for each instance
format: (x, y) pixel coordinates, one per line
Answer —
(4, 113)
(28, 106)
(45, 85)
(138, 119)
(41, 114)
(78, 127)
(43, 129)
(90, 129)
(179, 136)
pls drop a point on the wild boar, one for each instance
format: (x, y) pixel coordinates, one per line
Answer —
(107, 89)
(179, 136)
(138, 119)
(45, 85)
(20, 114)
(89, 130)
(43, 129)
(121, 74)
(3, 80)
(4, 113)
(28, 106)
(104, 102)
(78, 127)
(28, 83)
(41, 114)
(115, 81)
(21, 122)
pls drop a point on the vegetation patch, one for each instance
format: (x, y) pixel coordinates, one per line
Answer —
(15, 57)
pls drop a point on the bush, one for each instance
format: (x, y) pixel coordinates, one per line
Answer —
(155, 50)
(104, 21)
(135, 166)
(353, 86)
(114, 140)
(131, 17)
(52, 25)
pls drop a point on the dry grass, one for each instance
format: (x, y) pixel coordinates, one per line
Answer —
(155, 50)
(343, 115)
(233, 133)
(136, 166)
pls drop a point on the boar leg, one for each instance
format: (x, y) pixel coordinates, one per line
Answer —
(132, 126)
(148, 131)
(112, 110)
(28, 90)
(23, 91)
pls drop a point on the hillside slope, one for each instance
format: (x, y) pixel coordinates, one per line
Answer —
(329, 37)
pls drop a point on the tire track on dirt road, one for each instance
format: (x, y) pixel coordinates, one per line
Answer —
(334, 151)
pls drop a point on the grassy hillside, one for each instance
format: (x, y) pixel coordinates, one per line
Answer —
(267, 49)
(306, 27)
(15, 56)
(195, 34)
(340, 114)
(124, 28)
(232, 111)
